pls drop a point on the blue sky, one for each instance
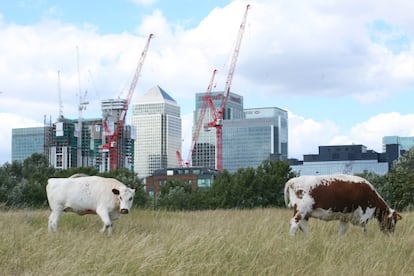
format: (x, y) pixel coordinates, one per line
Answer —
(344, 70)
(110, 16)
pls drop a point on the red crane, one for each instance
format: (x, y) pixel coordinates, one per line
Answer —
(199, 124)
(112, 140)
(219, 113)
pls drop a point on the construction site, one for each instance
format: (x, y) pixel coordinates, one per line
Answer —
(107, 143)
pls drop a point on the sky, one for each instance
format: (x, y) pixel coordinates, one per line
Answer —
(344, 70)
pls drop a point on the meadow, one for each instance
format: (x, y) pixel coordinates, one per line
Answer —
(216, 242)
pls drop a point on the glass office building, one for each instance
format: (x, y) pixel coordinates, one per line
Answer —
(250, 136)
(204, 154)
(157, 120)
(26, 141)
(404, 143)
(261, 135)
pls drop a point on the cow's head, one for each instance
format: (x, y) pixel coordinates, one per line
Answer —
(126, 198)
(390, 220)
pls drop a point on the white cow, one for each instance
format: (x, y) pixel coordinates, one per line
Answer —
(106, 197)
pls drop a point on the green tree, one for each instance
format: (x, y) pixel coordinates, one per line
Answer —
(175, 195)
(71, 171)
(400, 186)
(36, 170)
(10, 177)
(220, 192)
(250, 188)
(23, 183)
(273, 175)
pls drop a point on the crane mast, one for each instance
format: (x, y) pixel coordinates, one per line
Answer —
(218, 114)
(199, 124)
(60, 98)
(112, 140)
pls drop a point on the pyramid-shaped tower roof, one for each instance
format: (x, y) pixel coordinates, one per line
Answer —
(156, 95)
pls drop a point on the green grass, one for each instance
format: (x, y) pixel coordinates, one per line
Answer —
(222, 242)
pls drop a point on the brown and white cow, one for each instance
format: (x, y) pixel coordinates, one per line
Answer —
(346, 198)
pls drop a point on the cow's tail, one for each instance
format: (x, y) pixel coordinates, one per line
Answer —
(286, 193)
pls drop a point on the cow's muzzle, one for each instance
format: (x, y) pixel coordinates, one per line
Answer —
(124, 211)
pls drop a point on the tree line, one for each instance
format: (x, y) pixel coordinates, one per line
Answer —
(23, 185)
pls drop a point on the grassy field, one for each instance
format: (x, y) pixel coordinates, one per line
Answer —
(222, 242)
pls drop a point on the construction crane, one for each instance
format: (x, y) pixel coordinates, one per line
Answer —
(112, 140)
(219, 113)
(82, 106)
(60, 98)
(199, 124)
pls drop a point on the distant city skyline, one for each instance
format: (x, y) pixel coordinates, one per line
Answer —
(344, 71)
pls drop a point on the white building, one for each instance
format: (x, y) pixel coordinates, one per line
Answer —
(157, 120)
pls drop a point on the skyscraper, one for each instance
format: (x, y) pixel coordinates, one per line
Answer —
(204, 154)
(111, 114)
(156, 118)
(261, 135)
(250, 136)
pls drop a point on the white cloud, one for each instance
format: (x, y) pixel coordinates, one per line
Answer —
(305, 135)
(371, 131)
(144, 2)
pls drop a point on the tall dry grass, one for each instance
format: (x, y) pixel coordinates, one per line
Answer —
(222, 242)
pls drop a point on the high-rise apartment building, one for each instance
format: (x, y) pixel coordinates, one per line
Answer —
(62, 143)
(157, 120)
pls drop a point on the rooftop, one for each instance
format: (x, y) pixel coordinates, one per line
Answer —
(154, 95)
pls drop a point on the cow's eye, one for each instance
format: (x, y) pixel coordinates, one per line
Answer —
(130, 198)
(120, 197)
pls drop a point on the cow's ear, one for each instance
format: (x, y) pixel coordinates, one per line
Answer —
(115, 191)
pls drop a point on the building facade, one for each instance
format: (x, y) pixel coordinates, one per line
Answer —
(347, 159)
(60, 143)
(198, 178)
(261, 135)
(157, 120)
(26, 141)
(404, 143)
(64, 148)
(250, 136)
(111, 114)
(395, 146)
(204, 154)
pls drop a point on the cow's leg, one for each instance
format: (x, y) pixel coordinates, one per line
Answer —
(298, 221)
(54, 220)
(107, 223)
(303, 226)
(343, 226)
(364, 227)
